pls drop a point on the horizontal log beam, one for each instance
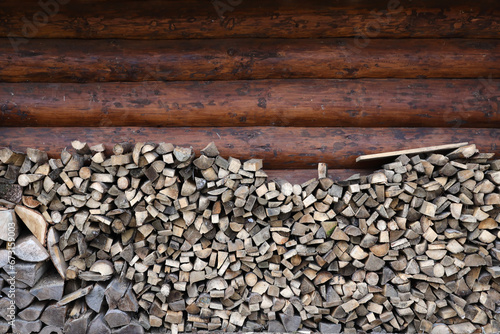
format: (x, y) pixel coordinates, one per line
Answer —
(281, 148)
(221, 19)
(55, 60)
(346, 103)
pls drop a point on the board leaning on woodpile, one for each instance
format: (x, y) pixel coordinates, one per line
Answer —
(154, 237)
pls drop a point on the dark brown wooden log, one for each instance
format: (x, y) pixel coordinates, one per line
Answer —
(280, 148)
(283, 19)
(360, 103)
(54, 60)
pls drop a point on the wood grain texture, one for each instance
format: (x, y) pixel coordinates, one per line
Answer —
(419, 150)
(346, 103)
(259, 18)
(56, 60)
(298, 176)
(281, 148)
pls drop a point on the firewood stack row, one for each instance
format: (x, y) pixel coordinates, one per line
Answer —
(154, 237)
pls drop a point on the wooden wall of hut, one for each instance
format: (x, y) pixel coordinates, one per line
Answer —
(292, 82)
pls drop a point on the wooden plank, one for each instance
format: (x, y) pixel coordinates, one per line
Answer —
(54, 60)
(277, 19)
(418, 150)
(281, 148)
(347, 103)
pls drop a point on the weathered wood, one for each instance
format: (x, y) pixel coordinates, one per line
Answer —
(23, 326)
(74, 295)
(95, 298)
(10, 192)
(27, 272)
(419, 150)
(9, 227)
(51, 330)
(98, 325)
(336, 147)
(232, 250)
(382, 102)
(32, 312)
(103, 267)
(238, 59)
(50, 286)
(54, 315)
(116, 318)
(279, 19)
(34, 221)
(55, 253)
(77, 325)
(29, 249)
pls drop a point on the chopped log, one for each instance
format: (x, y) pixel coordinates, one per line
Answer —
(34, 221)
(23, 326)
(77, 325)
(74, 295)
(54, 315)
(95, 298)
(9, 228)
(49, 287)
(32, 312)
(238, 251)
(98, 325)
(55, 253)
(29, 249)
(373, 263)
(27, 272)
(103, 267)
(291, 323)
(12, 193)
(92, 276)
(116, 318)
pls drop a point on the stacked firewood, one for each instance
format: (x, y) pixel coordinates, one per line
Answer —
(154, 237)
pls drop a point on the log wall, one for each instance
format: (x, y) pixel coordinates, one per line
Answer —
(253, 77)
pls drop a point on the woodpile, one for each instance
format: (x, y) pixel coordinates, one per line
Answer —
(154, 237)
